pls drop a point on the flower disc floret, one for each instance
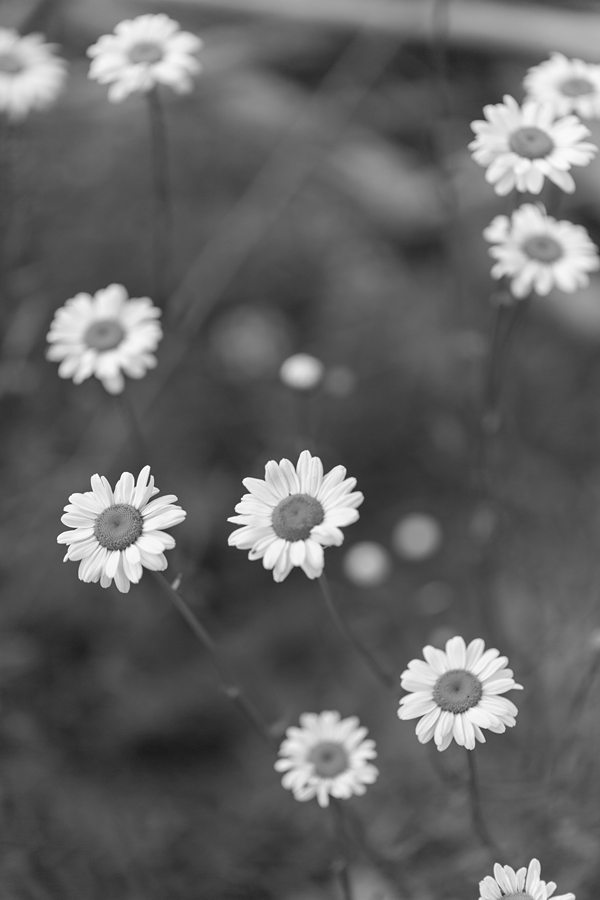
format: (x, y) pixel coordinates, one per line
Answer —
(326, 757)
(538, 253)
(107, 335)
(521, 884)
(455, 693)
(144, 53)
(568, 85)
(287, 519)
(521, 146)
(31, 74)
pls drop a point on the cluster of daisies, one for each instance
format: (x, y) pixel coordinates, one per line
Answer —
(521, 147)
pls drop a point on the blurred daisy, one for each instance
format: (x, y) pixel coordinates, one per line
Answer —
(105, 335)
(31, 75)
(367, 564)
(116, 534)
(455, 692)
(523, 145)
(569, 85)
(302, 372)
(289, 517)
(145, 52)
(326, 757)
(537, 253)
(524, 883)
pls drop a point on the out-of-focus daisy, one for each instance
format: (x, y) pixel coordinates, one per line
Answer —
(31, 74)
(537, 253)
(523, 145)
(288, 518)
(105, 335)
(145, 52)
(116, 534)
(367, 564)
(417, 536)
(327, 757)
(525, 883)
(302, 372)
(455, 693)
(570, 85)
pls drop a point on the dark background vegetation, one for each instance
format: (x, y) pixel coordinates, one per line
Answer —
(311, 214)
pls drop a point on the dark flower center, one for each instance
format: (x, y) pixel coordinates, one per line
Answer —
(10, 63)
(118, 526)
(543, 248)
(457, 691)
(576, 87)
(104, 334)
(329, 759)
(295, 517)
(531, 142)
(145, 52)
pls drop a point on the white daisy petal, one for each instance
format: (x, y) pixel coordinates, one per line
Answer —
(524, 883)
(31, 74)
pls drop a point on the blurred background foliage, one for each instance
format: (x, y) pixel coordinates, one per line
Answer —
(311, 171)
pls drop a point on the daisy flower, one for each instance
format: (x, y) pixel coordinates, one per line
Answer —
(570, 85)
(31, 75)
(105, 335)
(455, 692)
(538, 253)
(302, 372)
(116, 534)
(523, 145)
(143, 53)
(326, 757)
(524, 884)
(288, 518)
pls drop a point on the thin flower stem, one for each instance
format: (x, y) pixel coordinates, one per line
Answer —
(228, 682)
(383, 676)
(162, 249)
(137, 436)
(479, 825)
(340, 865)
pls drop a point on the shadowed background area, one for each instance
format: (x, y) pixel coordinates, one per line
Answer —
(313, 212)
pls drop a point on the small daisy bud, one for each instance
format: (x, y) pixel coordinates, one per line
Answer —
(302, 372)
(417, 536)
(367, 564)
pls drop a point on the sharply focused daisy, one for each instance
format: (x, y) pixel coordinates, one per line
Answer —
(31, 74)
(523, 145)
(455, 693)
(105, 335)
(537, 253)
(115, 534)
(524, 884)
(288, 518)
(145, 52)
(327, 757)
(570, 85)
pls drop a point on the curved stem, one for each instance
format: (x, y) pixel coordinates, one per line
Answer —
(479, 825)
(380, 673)
(340, 864)
(162, 250)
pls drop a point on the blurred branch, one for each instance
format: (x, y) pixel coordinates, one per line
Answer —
(37, 17)
(476, 23)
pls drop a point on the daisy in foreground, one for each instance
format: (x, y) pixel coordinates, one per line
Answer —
(288, 518)
(116, 534)
(524, 884)
(145, 52)
(537, 252)
(523, 145)
(105, 335)
(326, 757)
(570, 85)
(455, 693)
(31, 75)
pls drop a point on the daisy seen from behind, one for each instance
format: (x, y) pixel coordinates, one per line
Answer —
(455, 693)
(521, 146)
(116, 534)
(327, 756)
(31, 74)
(522, 884)
(107, 335)
(538, 253)
(289, 517)
(143, 53)
(569, 85)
